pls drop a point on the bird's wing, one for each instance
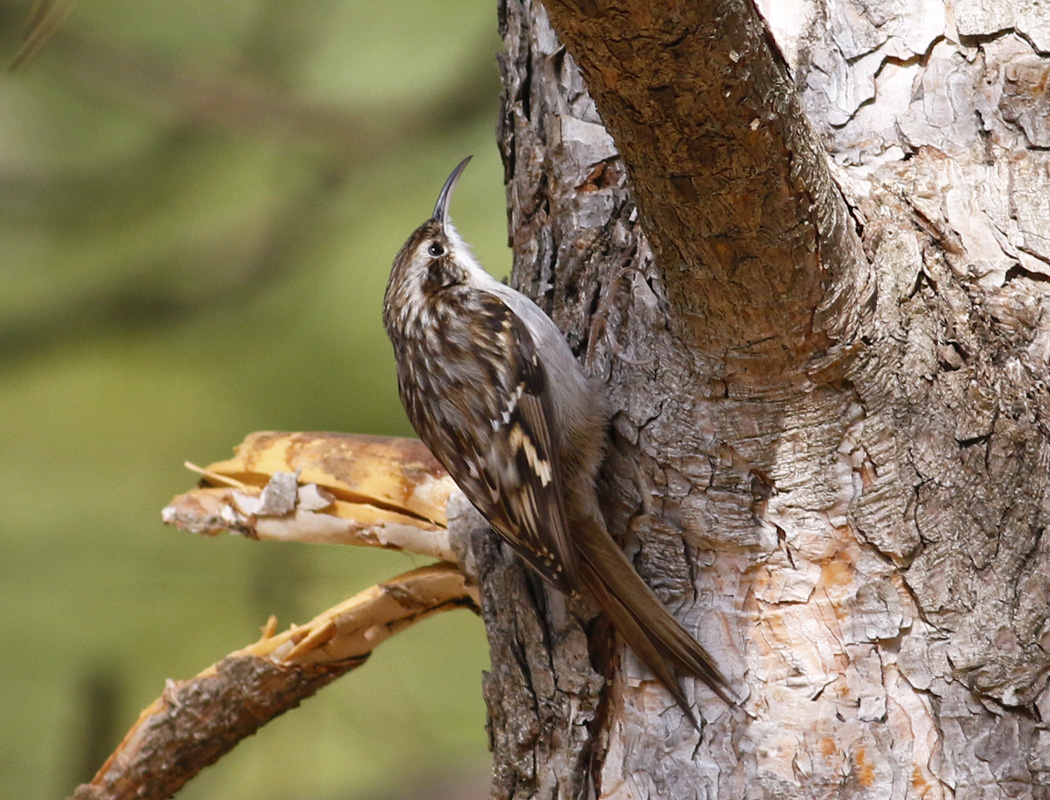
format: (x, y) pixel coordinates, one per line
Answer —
(519, 475)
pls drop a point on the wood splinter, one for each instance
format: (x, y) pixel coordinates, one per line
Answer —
(306, 487)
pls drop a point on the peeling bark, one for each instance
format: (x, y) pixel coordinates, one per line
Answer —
(761, 260)
(195, 722)
(849, 513)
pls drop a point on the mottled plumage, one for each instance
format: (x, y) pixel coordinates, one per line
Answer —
(494, 391)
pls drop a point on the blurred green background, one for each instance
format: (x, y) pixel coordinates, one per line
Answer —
(199, 204)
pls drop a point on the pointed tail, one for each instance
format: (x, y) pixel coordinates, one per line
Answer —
(650, 630)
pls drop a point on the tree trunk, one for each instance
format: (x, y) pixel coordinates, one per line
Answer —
(827, 356)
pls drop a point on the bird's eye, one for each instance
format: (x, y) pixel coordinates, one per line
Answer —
(436, 250)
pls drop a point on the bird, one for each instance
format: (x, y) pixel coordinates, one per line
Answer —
(493, 389)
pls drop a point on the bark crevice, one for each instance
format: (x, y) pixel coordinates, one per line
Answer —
(850, 518)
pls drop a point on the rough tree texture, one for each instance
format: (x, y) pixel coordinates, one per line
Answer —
(831, 442)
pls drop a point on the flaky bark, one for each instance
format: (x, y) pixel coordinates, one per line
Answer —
(760, 258)
(333, 488)
(197, 721)
(830, 440)
(324, 488)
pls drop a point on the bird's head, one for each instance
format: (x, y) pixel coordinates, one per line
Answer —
(434, 258)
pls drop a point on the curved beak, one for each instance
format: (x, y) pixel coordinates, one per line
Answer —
(441, 206)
